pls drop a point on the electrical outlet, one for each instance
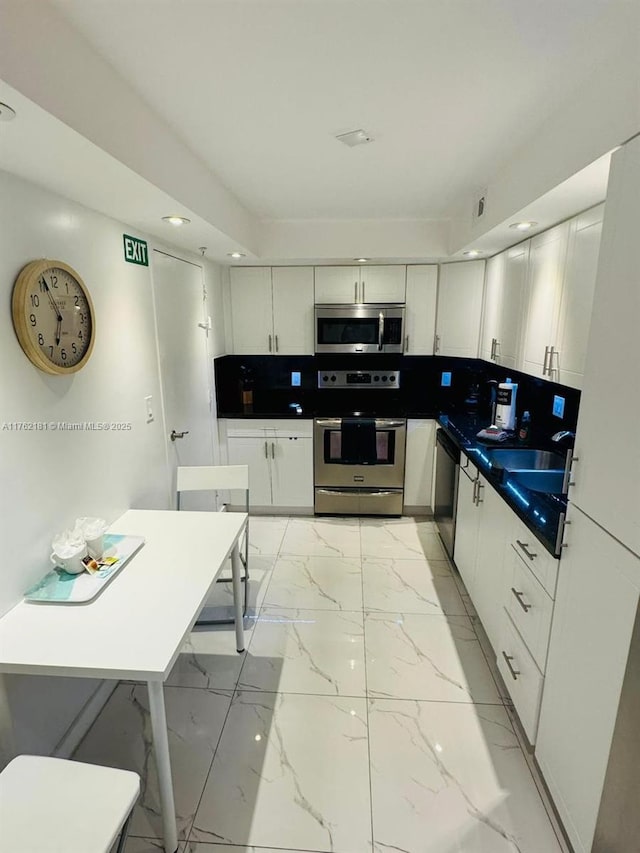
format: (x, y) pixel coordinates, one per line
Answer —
(446, 379)
(148, 401)
(558, 406)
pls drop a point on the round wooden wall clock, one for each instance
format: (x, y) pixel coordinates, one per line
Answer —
(53, 316)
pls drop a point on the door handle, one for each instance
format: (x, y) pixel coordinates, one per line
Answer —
(270, 343)
(273, 450)
(175, 434)
(530, 554)
(380, 330)
(266, 451)
(544, 364)
(519, 596)
(355, 291)
(479, 500)
(276, 343)
(436, 344)
(493, 349)
(552, 352)
(406, 344)
(514, 672)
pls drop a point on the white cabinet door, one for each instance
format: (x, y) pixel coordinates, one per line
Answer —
(255, 453)
(511, 317)
(577, 296)
(420, 312)
(547, 256)
(493, 295)
(382, 283)
(292, 471)
(459, 309)
(293, 310)
(488, 585)
(592, 625)
(337, 285)
(251, 314)
(607, 478)
(418, 477)
(467, 523)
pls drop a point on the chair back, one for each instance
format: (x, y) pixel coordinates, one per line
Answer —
(198, 478)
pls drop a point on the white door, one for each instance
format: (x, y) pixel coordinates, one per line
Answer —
(488, 592)
(251, 313)
(577, 296)
(420, 312)
(512, 306)
(337, 285)
(459, 309)
(254, 452)
(418, 470)
(593, 620)
(293, 310)
(547, 256)
(383, 283)
(292, 471)
(182, 345)
(467, 522)
(493, 295)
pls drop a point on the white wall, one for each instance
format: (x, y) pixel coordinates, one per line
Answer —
(49, 478)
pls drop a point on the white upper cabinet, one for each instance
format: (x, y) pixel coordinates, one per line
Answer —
(577, 296)
(607, 467)
(460, 293)
(251, 312)
(547, 255)
(360, 284)
(509, 331)
(293, 310)
(493, 295)
(382, 283)
(420, 314)
(272, 310)
(338, 285)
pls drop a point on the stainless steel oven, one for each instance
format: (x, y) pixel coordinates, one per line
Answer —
(359, 328)
(359, 465)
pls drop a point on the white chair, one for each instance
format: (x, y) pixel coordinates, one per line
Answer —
(207, 478)
(51, 805)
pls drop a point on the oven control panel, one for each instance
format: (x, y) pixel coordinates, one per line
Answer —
(358, 379)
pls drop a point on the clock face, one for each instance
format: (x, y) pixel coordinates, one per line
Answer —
(53, 316)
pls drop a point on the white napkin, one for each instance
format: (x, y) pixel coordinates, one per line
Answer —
(90, 528)
(68, 543)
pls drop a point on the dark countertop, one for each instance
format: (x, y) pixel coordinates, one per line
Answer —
(540, 512)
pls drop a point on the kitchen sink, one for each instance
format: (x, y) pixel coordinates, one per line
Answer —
(539, 480)
(523, 459)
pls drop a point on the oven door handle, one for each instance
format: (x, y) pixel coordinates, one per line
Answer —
(328, 422)
(389, 424)
(380, 330)
(374, 493)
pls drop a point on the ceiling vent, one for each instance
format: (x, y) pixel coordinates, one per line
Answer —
(480, 205)
(354, 137)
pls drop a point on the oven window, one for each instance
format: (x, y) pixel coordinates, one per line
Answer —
(355, 330)
(384, 454)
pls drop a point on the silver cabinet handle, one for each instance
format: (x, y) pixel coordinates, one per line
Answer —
(406, 344)
(475, 491)
(496, 347)
(552, 352)
(380, 330)
(479, 500)
(266, 452)
(175, 434)
(523, 545)
(493, 349)
(514, 672)
(544, 364)
(566, 480)
(269, 343)
(519, 597)
(276, 343)
(436, 344)
(355, 291)
(364, 292)
(273, 450)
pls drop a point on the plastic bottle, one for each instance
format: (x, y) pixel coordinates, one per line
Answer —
(524, 432)
(506, 405)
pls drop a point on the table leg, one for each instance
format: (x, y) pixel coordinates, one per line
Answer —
(161, 751)
(237, 596)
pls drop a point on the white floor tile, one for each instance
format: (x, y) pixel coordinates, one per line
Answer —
(121, 737)
(209, 658)
(327, 537)
(266, 534)
(320, 583)
(401, 539)
(203, 847)
(452, 778)
(436, 658)
(410, 586)
(148, 845)
(219, 605)
(292, 772)
(306, 651)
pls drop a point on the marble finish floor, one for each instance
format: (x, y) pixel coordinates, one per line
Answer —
(365, 716)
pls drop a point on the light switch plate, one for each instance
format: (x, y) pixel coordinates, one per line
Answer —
(446, 379)
(558, 406)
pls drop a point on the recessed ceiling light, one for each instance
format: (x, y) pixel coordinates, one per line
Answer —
(472, 253)
(7, 113)
(361, 260)
(354, 137)
(236, 255)
(176, 220)
(523, 226)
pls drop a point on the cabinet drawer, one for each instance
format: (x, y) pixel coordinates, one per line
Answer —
(523, 680)
(536, 557)
(290, 428)
(529, 606)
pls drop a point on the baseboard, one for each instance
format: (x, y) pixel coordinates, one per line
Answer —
(84, 719)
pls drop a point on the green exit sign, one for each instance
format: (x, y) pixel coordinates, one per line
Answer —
(135, 251)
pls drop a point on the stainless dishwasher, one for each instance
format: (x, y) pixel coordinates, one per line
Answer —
(446, 489)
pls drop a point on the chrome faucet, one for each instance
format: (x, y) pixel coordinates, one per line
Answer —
(565, 438)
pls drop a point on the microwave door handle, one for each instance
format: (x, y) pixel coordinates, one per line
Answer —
(380, 330)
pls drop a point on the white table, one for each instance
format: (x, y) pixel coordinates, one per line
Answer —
(137, 625)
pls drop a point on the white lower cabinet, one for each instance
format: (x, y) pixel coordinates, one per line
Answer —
(521, 676)
(418, 472)
(280, 460)
(467, 524)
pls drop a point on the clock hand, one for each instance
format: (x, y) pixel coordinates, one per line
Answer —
(52, 301)
(58, 330)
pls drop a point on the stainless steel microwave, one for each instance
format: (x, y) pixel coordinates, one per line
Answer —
(359, 328)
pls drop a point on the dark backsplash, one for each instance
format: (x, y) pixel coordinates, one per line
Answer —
(422, 393)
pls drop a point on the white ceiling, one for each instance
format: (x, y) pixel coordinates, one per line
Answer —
(448, 88)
